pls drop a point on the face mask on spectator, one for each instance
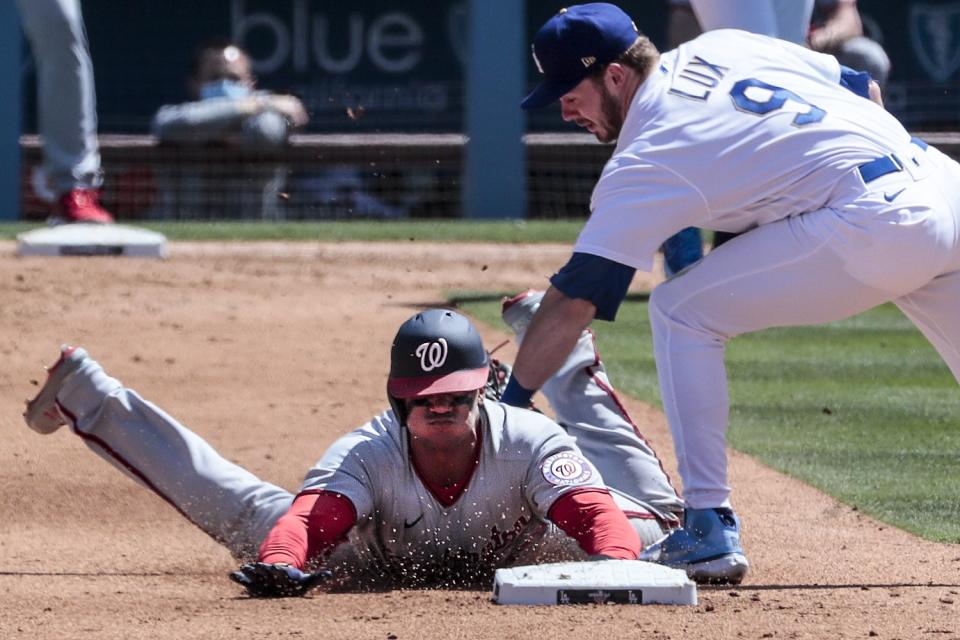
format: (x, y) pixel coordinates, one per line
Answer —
(224, 89)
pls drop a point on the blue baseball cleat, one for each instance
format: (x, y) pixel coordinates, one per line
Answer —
(707, 547)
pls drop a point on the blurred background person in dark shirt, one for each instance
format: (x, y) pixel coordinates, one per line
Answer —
(227, 111)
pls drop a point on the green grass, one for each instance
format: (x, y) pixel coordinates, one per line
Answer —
(9, 230)
(534, 231)
(863, 409)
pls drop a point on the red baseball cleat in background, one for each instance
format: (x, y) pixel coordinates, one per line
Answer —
(83, 205)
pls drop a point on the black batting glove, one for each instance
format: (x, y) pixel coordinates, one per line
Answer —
(280, 580)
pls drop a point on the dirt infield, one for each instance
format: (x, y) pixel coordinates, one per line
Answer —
(270, 351)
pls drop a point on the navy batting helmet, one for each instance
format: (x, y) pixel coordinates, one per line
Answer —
(435, 351)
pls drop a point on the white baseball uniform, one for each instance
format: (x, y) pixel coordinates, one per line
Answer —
(526, 461)
(735, 131)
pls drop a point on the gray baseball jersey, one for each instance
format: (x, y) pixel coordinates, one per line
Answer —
(526, 462)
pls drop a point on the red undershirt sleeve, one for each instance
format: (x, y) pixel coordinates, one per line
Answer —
(312, 527)
(596, 523)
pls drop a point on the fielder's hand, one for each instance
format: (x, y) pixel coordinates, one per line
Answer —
(263, 580)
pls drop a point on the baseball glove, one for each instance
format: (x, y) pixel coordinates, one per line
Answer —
(280, 580)
(496, 380)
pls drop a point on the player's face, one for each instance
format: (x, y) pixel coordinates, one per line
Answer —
(229, 63)
(591, 106)
(442, 414)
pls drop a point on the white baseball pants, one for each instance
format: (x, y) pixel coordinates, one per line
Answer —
(894, 239)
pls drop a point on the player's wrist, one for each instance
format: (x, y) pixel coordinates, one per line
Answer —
(516, 394)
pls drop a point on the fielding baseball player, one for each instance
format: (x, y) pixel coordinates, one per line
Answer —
(441, 489)
(735, 132)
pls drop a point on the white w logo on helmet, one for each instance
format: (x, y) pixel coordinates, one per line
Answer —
(432, 354)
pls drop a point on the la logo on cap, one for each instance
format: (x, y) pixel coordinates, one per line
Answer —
(576, 40)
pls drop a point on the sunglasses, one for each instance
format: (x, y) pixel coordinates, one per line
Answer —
(452, 399)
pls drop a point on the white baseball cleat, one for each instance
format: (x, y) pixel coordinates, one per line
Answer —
(518, 310)
(43, 413)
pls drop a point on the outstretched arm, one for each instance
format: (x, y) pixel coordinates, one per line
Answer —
(587, 287)
(842, 24)
(552, 334)
(597, 524)
(311, 528)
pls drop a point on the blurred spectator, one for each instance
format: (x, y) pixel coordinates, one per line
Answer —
(784, 19)
(227, 106)
(66, 105)
(227, 111)
(682, 23)
(836, 29)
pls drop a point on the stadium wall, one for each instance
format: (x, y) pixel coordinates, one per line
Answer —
(404, 64)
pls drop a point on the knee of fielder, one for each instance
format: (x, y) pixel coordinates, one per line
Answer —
(670, 316)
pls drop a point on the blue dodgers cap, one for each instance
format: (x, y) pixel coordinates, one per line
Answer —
(572, 43)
